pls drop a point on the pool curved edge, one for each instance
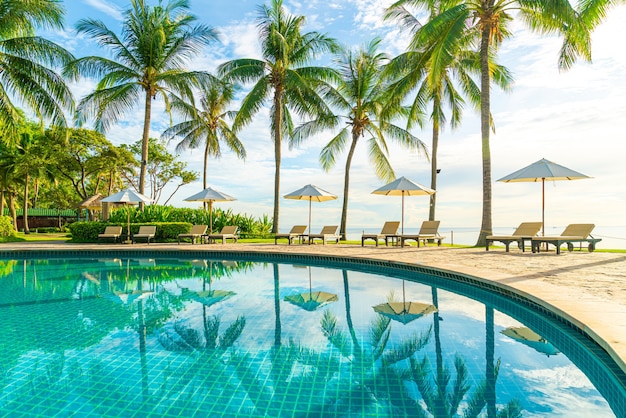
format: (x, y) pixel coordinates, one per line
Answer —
(311, 255)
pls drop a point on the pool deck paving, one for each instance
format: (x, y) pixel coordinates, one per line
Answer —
(588, 289)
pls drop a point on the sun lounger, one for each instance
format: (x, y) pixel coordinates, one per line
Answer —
(145, 232)
(524, 232)
(297, 232)
(428, 231)
(197, 231)
(111, 232)
(227, 232)
(389, 232)
(573, 233)
(328, 233)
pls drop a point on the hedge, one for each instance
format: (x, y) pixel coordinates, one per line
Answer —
(6, 227)
(165, 232)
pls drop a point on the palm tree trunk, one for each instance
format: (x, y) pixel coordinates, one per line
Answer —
(25, 211)
(12, 210)
(278, 118)
(277, 324)
(144, 145)
(1, 202)
(206, 164)
(485, 115)
(346, 186)
(433, 170)
(490, 372)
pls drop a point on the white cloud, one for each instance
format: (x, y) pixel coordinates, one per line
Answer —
(106, 7)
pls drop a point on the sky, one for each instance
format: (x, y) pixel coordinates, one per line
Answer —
(575, 118)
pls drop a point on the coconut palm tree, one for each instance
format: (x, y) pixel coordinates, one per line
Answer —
(147, 60)
(440, 71)
(283, 77)
(27, 63)
(489, 20)
(207, 125)
(364, 112)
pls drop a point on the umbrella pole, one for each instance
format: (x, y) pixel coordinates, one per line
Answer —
(402, 230)
(128, 239)
(310, 203)
(543, 209)
(210, 217)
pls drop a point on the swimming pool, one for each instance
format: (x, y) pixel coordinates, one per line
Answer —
(147, 334)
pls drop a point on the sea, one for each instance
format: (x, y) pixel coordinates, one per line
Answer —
(613, 237)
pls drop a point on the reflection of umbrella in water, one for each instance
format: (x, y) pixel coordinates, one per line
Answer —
(543, 170)
(209, 196)
(403, 187)
(311, 300)
(126, 296)
(528, 337)
(404, 311)
(206, 297)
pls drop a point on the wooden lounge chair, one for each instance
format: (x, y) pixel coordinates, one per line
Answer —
(111, 232)
(329, 233)
(428, 230)
(297, 232)
(524, 232)
(389, 232)
(197, 231)
(227, 232)
(145, 232)
(573, 233)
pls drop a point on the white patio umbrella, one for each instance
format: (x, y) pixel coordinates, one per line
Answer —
(127, 197)
(403, 187)
(541, 171)
(312, 194)
(210, 195)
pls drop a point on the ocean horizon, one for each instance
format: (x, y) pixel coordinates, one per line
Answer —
(613, 237)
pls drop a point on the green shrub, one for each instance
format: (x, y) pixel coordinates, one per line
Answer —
(48, 230)
(6, 227)
(249, 226)
(166, 231)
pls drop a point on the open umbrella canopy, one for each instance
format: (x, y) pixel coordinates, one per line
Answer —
(128, 197)
(404, 312)
(207, 297)
(312, 194)
(541, 171)
(311, 301)
(210, 195)
(403, 187)
(528, 337)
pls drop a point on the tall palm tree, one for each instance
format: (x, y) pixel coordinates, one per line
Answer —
(365, 112)
(489, 20)
(283, 76)
(27, 63)
(148, 60)
(207, 125)
(439, 66)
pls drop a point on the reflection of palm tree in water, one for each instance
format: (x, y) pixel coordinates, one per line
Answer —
(443, 403)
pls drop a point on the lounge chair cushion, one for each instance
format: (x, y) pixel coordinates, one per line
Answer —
(328, 233)
(197, 231)
(524, 232)
(428, 231)
(111, 232)
(572, 233)
(297, 232)
(227, 232)
(145, 232)
(389, 231)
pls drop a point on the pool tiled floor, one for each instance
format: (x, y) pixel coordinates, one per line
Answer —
(589, 289)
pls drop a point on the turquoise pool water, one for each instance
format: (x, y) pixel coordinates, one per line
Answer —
(106, 336)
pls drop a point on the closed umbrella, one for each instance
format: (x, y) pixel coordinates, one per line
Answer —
(210, 195)
(403, 187)
(127, 197)
(312, 194)
(541, 171)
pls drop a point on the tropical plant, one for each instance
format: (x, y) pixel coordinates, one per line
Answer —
(441, 72)
(284, 76)
(28, 63)
(488, 21)
(365, 113)
(162, 168)
(148, 59)
(208, 124)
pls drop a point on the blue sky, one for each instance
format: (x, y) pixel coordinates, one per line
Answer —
(574, 118)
